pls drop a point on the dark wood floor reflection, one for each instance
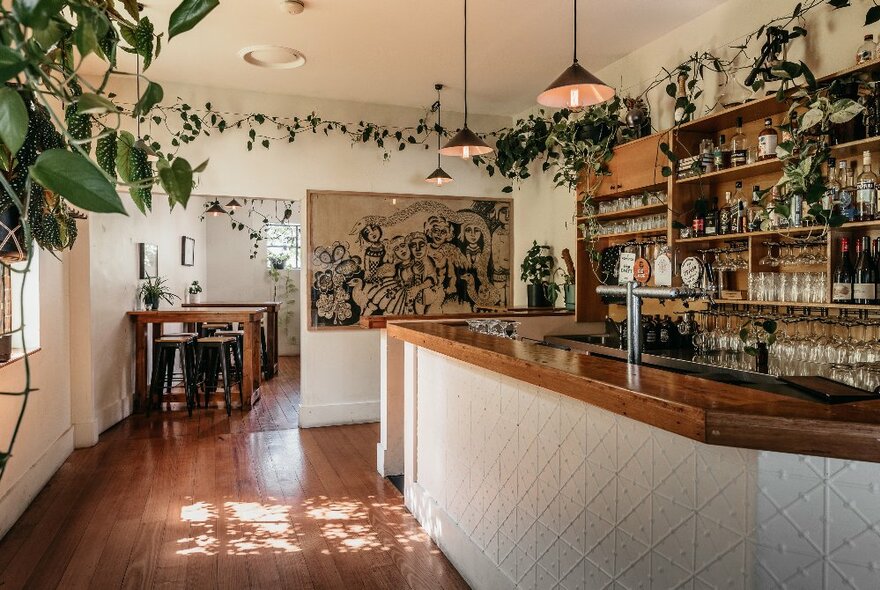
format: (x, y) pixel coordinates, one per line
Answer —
(211, 502)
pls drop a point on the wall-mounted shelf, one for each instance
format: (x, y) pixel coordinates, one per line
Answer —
(643, 233)
(658, 186)
(854, 149)
(738, 173)
(626, 213)
(755, 234)
(849, 306)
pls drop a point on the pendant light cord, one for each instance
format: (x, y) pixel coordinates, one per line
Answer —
(575, 31)
(465, 65)
(439, 126)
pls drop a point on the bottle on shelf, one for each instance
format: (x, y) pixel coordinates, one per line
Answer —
(721, 154)
(680, 99)
(739, 219)
(867, 126)
(867, 50)
(712, 218)
(725, 215)
(848, 191)
(756, 212)
(842, 286)
(831, 197)
(699, 224)
(739, 145)
(864, 291)
(795, 209)
(875, 254)
(771, 212)
(866, 190)
(768, 139)
(668, 334)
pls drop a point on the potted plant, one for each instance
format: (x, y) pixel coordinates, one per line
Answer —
(194, 293)
(537, 268)
(757, 337)
(154, 289)
(278, 261)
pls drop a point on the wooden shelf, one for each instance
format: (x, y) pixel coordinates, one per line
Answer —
(850, 306)
(737, 173)
(657, 186)
(631, 234)
(855, 148)
(734, 237)
(626, 213)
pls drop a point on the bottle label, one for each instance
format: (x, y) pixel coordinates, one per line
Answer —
(710, 229)
(664, 335)
(767, 145)
(739, 157)
(865, 192)
(828, 199)
(866, 291)
(842, 292)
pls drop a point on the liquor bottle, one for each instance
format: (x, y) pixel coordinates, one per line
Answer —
(721, 154)
(830, 198)
(756, 210)
(795, 209)
(650, 331)
(680, 100)
(699, 225)
(768, 139)
(875, 254)
(739, 145)
(770, 212)
(668, 334)
(841, 291)
(739, 219)
(864, 290)
(712, 218)
(866, 190)
(867, 50)
(848, 191)
(725, 216)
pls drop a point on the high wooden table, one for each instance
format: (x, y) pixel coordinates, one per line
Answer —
(272, 309)
(249, 317)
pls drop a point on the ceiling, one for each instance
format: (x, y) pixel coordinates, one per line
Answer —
(393, 51)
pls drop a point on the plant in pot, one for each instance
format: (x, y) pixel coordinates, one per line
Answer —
(278, 261)
(537, 268)
(757, 338)
(194, 292)
(154, 289)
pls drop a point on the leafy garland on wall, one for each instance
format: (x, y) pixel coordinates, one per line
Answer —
(566, 143)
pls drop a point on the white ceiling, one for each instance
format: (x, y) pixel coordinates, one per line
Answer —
(393, 51)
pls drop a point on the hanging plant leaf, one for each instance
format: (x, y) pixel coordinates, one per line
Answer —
(188, 14)
(105, 153)
(177, 180)
(872, 16)
(13, 119)
(76, 179)
(11, 63)
(36, 13)
(152, 96)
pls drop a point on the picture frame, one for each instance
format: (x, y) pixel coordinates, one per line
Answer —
(148, 260)
(187, 251)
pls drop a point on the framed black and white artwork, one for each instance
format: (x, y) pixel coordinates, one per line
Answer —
(187, 251)
(148, 260)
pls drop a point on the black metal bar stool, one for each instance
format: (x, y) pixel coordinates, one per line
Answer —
(235, 361)
(208, 329)
(215, 354)
(165, 351)
(264, 351)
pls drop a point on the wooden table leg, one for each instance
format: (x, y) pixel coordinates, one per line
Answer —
(250, 378)
(140, 365)
(272, 339)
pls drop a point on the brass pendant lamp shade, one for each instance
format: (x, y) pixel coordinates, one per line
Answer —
(215, 209)
(576, 87)
(438, 177)
(465, 144)
(233, 205)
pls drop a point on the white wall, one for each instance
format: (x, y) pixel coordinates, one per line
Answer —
(234, 276)
(46, 435)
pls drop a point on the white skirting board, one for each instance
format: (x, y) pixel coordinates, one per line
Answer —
(15, 501)
(335, 414)
(470, 561)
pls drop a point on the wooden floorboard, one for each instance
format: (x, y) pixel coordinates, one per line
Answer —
(247, 501)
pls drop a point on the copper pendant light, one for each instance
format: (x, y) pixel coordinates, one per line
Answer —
(576, 87)
(438, 177)
(465, 144)
(233, 205)
(215, 209)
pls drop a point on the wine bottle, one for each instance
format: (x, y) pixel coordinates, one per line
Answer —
(864, 290)
(866, 190)
(842, 289)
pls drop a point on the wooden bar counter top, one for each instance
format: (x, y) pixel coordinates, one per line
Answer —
(700, 409)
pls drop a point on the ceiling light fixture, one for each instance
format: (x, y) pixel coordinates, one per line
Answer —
(438, 177)
(576, 87)
(273, 57)
(215, 209)
(293, 6)
(233, 205)
(465, 144)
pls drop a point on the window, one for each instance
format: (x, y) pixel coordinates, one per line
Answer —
(283, 245)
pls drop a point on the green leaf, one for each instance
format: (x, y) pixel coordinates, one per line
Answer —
(94, 104)
(36, 13)
(751, 350)
(188, 14)
(812, 118)
(78, 180)
(85, 36)
(201, 167)
(11, 63)
(123, 155)
(176, 179)
(152, 96)
(872, 16)
(13, 119)
(845, 110)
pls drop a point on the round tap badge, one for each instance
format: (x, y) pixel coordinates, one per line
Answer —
(641, 270)
(691, 272)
